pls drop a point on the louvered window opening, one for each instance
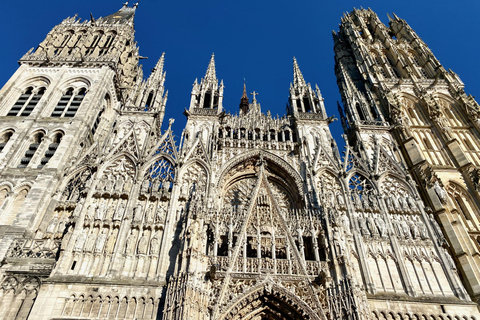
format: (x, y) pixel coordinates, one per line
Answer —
(26, 103)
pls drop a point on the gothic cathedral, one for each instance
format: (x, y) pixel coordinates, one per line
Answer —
(248, 216)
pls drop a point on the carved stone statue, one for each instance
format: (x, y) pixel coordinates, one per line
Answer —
(441, 193)
(381, 226)
(119, 211)
(137, 213)
(131, 241)
(150, 213)
(154, 245)
(100, 241)
(80, 241)
(142, 244)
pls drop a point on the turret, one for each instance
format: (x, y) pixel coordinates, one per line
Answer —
(208, 94)
(303, 99)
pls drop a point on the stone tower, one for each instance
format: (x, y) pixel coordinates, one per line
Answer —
(252, 216)
(395, 92)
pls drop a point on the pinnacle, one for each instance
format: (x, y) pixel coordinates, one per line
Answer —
(298, 80)
(211, 75)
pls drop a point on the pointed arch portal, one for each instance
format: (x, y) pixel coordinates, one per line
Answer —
(270, 303)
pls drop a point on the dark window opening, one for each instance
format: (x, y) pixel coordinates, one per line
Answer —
(307, 105)
(308, 248)
(223, 247)
(251, 247)
(149, 101)
(207, 100)
(360, 112)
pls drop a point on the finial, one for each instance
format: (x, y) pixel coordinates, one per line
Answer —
(298, 80)
(125, 4)
(211, 74)
(135, 6)
(170, 123)
(254, 94)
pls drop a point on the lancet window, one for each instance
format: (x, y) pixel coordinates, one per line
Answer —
(461, 203)
(35, 142)
(159, 176)
(27, 102)
(4, 138)
(52, 148)
(69, 103)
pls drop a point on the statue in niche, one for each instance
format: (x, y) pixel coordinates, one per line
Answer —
(373, 202)
(51, 227)
(66, 238)
(405, 229)
(119, 183)
(357, 201)
(75, 194)
(101, 241)
(145, 186)
(436, 228)
(100, 212)
(422, 230)
(90, 211)
(119, 211)
(101, 184)
(441, 193)
(154, 245)
(110, 181)
(397, 228)
(396, 204)
(127, 185)
(372, 226)
(60, 229)
(110, 246)
(381, 226)
(193, 233)
(150, 213)
(413, 229)
(340, 201)
(155, 185)
(365, 202)
(131, 241)
(111, 210)
(82, 237)
(403, 204)
(389, 203)
(412, 204)
(137, 213)
(345, 223)
(160, 214)
(166, 186)
(339, 242)
(91, 241)
(142, 244)
(362, 222)
(78, 207)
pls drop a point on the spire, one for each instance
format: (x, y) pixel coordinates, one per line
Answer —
(123, 16)
(244, 100)
(157, 72)
(210, 75)
(298, 80)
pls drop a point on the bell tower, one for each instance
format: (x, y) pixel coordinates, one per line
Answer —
(396, 92)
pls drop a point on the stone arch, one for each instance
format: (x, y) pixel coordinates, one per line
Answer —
(272, 302)
(194, 175)
(410, 105)
(462, 202)
(290, 173)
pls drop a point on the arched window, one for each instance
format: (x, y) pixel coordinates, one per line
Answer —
(97, 122)
(8, 217)
(149, 101)
(94, 43)
(4, 138)
(69, 103)
(428, 144)
(32, 149)
(360, 112)
(27, 102)
(57, 138)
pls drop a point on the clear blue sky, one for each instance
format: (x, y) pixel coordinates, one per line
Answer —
(255, 40)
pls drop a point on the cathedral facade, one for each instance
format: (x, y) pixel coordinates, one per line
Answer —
(249, 216)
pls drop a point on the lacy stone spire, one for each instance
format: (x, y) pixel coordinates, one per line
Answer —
(250, 217)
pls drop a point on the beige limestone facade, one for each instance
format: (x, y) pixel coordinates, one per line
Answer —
(249, 216)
